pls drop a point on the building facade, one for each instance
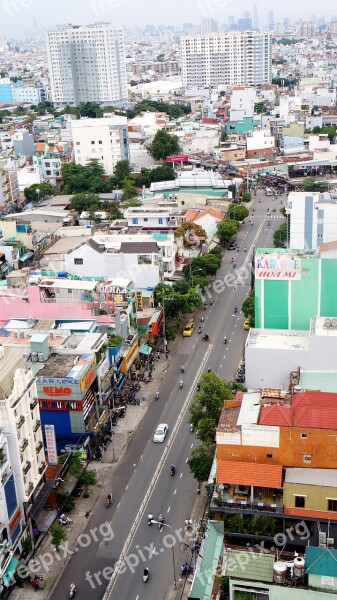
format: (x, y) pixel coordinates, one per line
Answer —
(232, 58)
(104, 139)
(87, 64)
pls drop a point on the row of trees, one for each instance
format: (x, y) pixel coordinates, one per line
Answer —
(204, 416)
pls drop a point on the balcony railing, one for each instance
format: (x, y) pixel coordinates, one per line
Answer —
(24, 445)
(26, 467)
(37, 426)
(29, 488)
(245, 506)
(20, 422)
(33, 403)
(42, 467)
(39, 447)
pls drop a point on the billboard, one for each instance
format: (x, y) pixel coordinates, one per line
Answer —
(177, 158)
(278, 267)
(267, 436)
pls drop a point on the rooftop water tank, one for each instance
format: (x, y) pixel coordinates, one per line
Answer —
(279, 572)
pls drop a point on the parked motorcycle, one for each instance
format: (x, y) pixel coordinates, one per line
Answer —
(63, 520)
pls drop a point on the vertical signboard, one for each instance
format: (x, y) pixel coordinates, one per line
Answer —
(51, 444)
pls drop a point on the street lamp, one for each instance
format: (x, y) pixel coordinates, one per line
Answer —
(192, 272)
(173, 560)
(164, 323)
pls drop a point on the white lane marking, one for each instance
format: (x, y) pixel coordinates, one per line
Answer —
(127, 487)
(220, 366)
(169, 508)
(181, 475)
(159, 469)
(186, 460)
(192, 445)
(174, 493)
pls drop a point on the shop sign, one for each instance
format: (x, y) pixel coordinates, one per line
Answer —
(49, 431)
(13, 523)
(273, 266)
(56, 391)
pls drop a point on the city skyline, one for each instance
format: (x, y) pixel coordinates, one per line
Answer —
(16, 15)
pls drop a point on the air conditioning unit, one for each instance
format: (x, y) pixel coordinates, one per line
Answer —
(16, 334)
(322, 540)
(330, 542)
(22, 334)
(334, 323)
(327, 323)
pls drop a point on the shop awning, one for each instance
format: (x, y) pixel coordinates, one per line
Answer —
(9, 572)
(26, 256)
(145, 349)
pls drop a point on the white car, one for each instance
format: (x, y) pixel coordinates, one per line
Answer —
(160, 433)
(34, 279)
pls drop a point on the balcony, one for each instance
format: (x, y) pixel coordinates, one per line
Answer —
(39, 447)
(244, 499)
(37, 426)
(24, 445)
(33, 403)
(20, 422)
(42, 467)
(29, 489)
(26, 467)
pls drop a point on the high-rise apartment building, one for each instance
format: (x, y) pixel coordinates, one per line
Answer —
(105, 139)
(87, 64)
(234, 58)
(209, 26)
(306, 29)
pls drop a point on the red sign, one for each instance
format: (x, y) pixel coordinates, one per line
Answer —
(90, 378)
(57, 391)
(177, 158)
(15, 520)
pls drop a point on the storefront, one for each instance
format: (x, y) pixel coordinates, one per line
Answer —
(68, 402)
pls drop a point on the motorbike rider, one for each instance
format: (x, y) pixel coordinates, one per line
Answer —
(182, 368)
(181, 383)
(225, 340)
(150, 517)
(157, 393)
(235, 309)
(202, 317)
(172, 468)
(199, 330)
(72, 588)
(109, 498)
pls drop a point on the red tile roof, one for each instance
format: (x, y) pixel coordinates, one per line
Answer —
(243, 473)
(314, 409)
(276, 415)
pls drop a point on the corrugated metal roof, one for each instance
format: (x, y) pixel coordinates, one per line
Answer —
(244, 473)
(245, 564)
(325, 381)
(321, 477)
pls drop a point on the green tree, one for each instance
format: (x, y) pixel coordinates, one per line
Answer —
(129, 188)
(216, 251)
(280, 236)
(226, 230)
(200, 462)
(88, 478)
(84, 201)
(248, 309)
(75, 178)
(259, 108)
(206, 430)
(89, 109)
(122, 171)
(189, 231)
(210, 399)
(179, 303)
(246, 197)
(58, 535)
(38, 191)
(237, 212)
(310, 185)
(163, 145)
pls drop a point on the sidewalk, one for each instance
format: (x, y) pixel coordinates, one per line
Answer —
(85, 506)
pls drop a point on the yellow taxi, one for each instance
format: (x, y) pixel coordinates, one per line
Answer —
(189, 328)
(246, 325)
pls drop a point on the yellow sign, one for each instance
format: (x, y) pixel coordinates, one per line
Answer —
(139, 300)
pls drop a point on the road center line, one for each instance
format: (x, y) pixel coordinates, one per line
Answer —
(169, 508)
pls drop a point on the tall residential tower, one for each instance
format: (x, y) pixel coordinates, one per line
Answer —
(87, 64)
(234, 58)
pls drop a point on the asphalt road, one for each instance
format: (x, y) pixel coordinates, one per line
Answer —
(142, 481)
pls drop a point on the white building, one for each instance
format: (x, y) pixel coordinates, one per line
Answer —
(259, 142)
(138, 261)
(9, 186)
(87, 63)
(24, 450)
(27, 93)
(105, 139)
(234, 58)
(271, 355)
(242, 103)
(313, 219)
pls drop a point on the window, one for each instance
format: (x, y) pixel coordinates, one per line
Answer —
(134, 221)
(332, 504)
(78, 143)
(70, 291)
(304, 436)
(146, 219)
(300, 501)
(160, 221)
(100, 142)
(78, 261)
(269, 455)
(92, 141)
(307, 458)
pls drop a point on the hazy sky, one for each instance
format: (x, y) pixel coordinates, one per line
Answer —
(16, 15)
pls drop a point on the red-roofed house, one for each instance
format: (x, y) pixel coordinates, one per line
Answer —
(277, 456)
